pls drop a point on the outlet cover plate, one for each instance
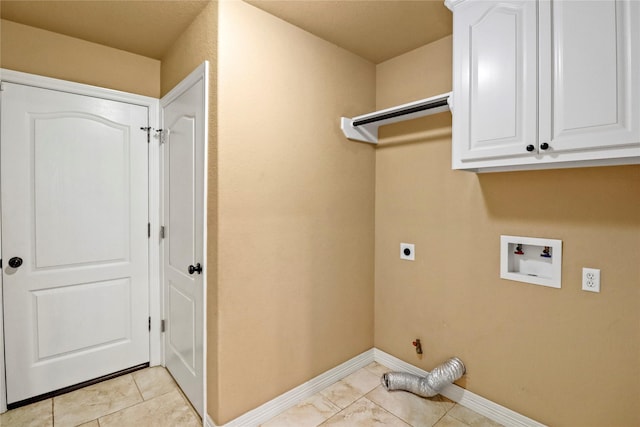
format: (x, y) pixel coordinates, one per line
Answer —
(408, 251)
(591, 279)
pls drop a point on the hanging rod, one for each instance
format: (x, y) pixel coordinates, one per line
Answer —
(365, 127)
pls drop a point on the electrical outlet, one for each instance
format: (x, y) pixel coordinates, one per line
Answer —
(591, 279)
(407, 251)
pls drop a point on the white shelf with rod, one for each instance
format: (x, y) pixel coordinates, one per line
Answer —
(365, 127)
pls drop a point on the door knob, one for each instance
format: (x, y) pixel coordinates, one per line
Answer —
(15, 262)
(197, 268)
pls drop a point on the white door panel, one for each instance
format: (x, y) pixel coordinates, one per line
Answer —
(592, 77)
(181, 186)
(75, 209)
(497, 71)
(95, 179)
(182, 312)
(184, 117)
(78, 330)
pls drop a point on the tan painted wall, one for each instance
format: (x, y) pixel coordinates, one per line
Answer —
(36, 51)
(564, 357)
(414, 75)
(197, 44)
(296, 203)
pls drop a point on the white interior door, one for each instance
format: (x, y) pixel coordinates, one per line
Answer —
(74, 216)
(184, 120)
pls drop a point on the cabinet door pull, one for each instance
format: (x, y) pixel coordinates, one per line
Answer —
(544, 146)
(530, 147)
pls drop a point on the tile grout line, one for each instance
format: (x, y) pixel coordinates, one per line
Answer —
(94, 385)
(389, 412)
(338, 406)
(184, 397)
(186, 402)
(443, 415)
(330, 400)
(121, 409)
(138, 387)
(361, 395)
(449, 410)
(341, 410)
(126, 407)
(148, 400)
(141, 395)
(332, 415)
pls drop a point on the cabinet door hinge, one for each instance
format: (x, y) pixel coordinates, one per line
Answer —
(1, 86)
(162, 232)
(149, 230)
(162, 325)
(148, 130)
(149, 323)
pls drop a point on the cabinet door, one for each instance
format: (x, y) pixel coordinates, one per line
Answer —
(495, 80)
(590, 92)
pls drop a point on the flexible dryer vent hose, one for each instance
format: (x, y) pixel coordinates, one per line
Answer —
(428, 386)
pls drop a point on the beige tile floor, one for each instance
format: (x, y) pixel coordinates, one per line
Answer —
(148, 397)
(360, 401)
(151, 398)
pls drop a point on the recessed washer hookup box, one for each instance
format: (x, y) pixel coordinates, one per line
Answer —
(531, 260)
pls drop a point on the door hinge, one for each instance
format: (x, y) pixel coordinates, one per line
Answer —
(162, 325)
(149, 323)
(162, 135)
(1, 86)
(149, 230)
(148, 130)
(162, 231)
(0, 262)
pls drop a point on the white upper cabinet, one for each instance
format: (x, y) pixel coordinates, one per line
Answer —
(545, 84)
(495, 97)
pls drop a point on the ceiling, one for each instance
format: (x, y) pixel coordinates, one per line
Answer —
(145, 27)
(374, 29)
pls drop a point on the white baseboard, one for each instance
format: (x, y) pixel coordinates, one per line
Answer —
(291, 398)
(265, 412)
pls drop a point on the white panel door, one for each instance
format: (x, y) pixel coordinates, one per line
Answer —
(184, 143)
(74, 213)
(496, 79)
(595, 88)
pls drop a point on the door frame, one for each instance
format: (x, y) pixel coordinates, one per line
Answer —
(155, 296)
